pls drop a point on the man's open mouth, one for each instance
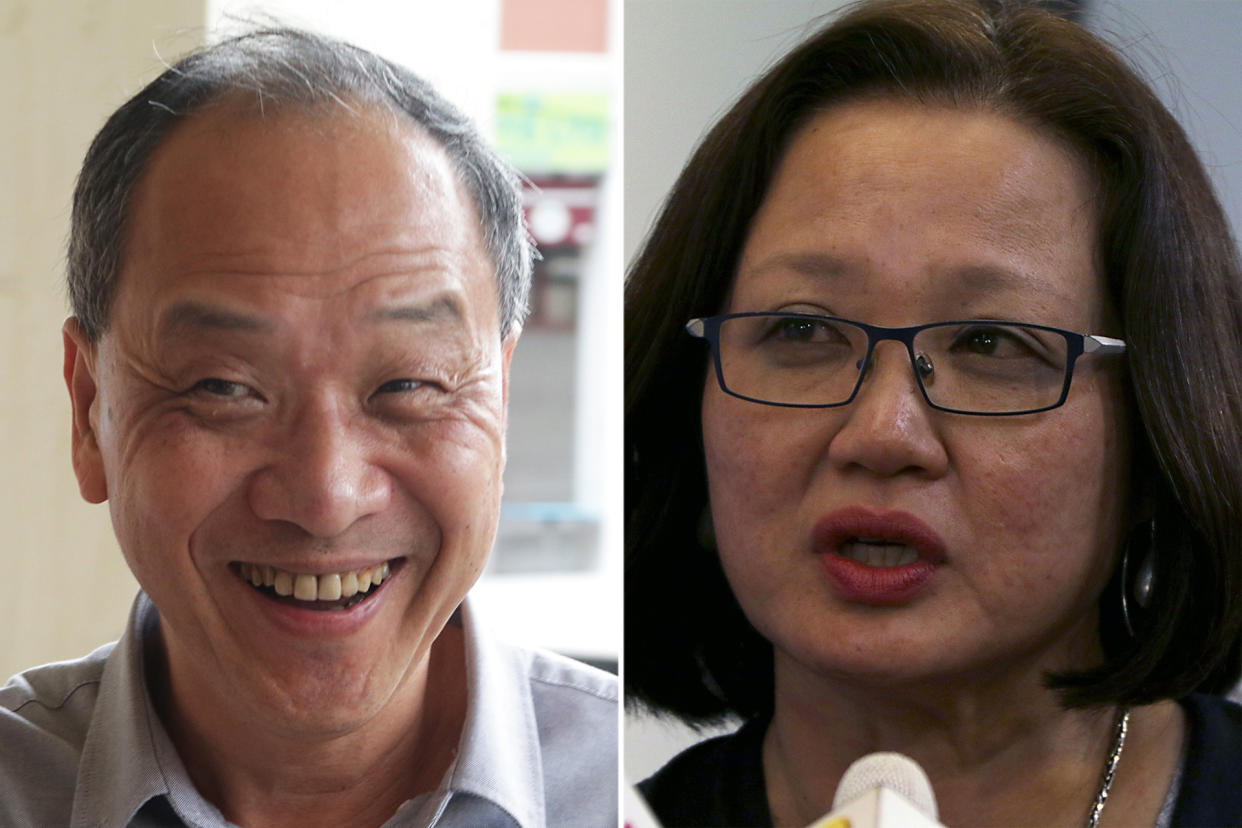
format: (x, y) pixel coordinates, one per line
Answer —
(327, 591)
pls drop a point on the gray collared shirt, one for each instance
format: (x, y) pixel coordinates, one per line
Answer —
(81, 744)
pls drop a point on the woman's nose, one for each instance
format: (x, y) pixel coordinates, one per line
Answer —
(324, 479)
(888, 428)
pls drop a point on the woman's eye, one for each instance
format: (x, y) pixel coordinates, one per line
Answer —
(798, 330)
(221, 388)
(805, 331)
(993, 342)
(982, 342)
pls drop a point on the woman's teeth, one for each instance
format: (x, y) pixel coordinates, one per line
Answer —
(332, 586)
(879, 553)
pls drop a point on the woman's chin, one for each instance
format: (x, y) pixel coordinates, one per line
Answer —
(888, 659)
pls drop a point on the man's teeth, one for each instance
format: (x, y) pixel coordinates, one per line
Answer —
(331, 586)
(879, 553)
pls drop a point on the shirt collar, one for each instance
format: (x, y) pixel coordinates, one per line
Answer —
(499, 757)
(128, 757)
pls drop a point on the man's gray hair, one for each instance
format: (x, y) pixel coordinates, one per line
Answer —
(279, 66)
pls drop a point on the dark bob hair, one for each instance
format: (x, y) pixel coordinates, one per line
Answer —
(1172, 274)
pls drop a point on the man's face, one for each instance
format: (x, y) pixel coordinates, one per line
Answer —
(302, 376)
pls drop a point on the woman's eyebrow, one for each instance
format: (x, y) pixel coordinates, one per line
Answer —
(810, 264)
(993, 279)
(969, 279)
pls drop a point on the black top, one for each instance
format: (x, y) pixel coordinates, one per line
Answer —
(719, 782)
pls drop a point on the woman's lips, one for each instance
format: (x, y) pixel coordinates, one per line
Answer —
(880, 558)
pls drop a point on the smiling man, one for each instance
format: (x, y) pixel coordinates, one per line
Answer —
(298, 278)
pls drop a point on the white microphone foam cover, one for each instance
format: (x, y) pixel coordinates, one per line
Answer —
(898, 773)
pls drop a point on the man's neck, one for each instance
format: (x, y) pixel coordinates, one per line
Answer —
(263, 777)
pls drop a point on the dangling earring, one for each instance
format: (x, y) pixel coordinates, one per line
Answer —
(1145, 580)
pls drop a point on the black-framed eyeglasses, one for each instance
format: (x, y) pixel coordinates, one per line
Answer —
(972, 366)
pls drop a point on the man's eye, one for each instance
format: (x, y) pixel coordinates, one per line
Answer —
(398, 386)
(221, 388)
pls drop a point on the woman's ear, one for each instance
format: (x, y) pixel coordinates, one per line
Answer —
(80, 377)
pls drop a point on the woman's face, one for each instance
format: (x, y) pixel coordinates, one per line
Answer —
(898, 214)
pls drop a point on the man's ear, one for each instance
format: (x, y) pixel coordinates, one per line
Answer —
(80, 377)
(506, 356)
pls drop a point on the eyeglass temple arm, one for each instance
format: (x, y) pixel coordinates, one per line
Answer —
(695, 327)
(1103, 345)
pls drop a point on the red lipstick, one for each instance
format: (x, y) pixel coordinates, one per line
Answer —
(857, 582)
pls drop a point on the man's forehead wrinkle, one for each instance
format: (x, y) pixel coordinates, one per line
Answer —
(278, 262)
(411, 153)
(206, 229)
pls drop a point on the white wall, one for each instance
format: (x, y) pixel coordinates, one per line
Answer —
(1191, 51)
(452, 45)
(685, 63)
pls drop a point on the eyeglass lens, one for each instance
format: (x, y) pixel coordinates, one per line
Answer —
(983, 367)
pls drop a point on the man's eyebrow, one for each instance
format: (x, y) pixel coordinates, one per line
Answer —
(444, 306)
(192, 314)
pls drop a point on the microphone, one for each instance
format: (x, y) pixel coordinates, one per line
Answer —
(882, 790)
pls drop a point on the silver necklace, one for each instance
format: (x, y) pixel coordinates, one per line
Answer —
(1110, 766)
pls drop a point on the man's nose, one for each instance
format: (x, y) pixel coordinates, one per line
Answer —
(322, 476)
(889, 428)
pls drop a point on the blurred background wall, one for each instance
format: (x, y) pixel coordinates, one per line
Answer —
(541, 78)
(63, 68)
(686, 61)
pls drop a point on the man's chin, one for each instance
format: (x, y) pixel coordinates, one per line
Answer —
(332, 701)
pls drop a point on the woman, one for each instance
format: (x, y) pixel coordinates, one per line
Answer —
(956, 469)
